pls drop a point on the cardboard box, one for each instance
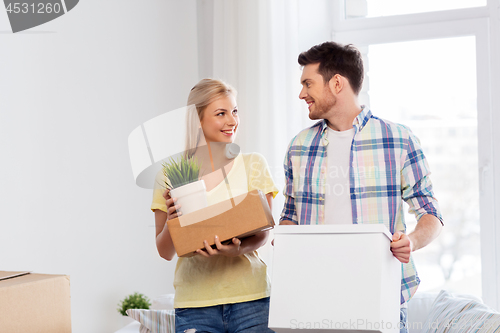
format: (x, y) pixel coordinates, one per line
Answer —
(34, 303)
(334, 278)
(240, 217)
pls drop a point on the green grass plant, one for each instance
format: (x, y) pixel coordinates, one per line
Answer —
(181, 171)
(133, 301)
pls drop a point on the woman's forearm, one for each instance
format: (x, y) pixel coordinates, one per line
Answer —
(254, 242)
(164, 243)
(258, 240)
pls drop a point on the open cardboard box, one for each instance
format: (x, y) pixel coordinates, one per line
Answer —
(241, 216)
(34, 303)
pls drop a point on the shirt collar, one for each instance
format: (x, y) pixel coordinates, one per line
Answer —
(358, 123)
(362, 118)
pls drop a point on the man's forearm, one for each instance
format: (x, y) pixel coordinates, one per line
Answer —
(427, 229)
(287, 222)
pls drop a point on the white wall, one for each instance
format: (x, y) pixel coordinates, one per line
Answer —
(71, 91)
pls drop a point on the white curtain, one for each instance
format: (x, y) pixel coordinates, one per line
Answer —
(254, 45)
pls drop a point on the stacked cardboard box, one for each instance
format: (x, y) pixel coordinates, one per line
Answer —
(34, 303)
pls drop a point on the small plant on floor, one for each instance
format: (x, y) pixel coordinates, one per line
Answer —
(181, 172)
(134, 301)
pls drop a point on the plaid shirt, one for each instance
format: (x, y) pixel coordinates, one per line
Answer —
(387, 166)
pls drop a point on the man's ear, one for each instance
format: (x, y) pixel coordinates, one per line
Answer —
(336, 84)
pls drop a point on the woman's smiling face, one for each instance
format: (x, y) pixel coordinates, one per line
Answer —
(220, 120)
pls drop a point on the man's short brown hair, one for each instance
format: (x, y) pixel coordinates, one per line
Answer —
(335, 58)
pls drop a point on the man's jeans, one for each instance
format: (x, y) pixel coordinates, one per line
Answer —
(403, 324)
(227, 318)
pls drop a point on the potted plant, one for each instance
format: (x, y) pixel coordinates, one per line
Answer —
(133, 301)
(182, 178)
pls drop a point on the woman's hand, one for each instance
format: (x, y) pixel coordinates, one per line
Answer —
(230, 250)
(172, 209)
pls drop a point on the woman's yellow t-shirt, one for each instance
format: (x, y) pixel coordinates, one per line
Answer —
(201, 281)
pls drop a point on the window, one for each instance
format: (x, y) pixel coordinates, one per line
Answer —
(417, 84)
(462, 114)
(376, 8)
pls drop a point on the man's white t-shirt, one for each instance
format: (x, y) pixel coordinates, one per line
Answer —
(337, 191)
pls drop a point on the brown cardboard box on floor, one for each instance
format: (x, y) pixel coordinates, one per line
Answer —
(34, 303)
(241, 216)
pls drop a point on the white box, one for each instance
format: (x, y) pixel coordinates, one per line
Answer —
(334, 278)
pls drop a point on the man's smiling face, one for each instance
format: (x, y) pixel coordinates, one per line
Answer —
(316, 93)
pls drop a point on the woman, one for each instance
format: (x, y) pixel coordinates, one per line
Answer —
(225, 289)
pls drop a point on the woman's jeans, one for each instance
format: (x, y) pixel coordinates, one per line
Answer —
(227, 318)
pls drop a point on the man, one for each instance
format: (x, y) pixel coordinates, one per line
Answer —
(352, 167)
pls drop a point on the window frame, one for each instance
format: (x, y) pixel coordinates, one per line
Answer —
(484, 24)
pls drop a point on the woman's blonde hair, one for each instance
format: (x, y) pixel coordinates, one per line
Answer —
(202, 94)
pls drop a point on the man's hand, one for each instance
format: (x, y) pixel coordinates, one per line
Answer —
(284, 222)
(231, 250)
(401, 246)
